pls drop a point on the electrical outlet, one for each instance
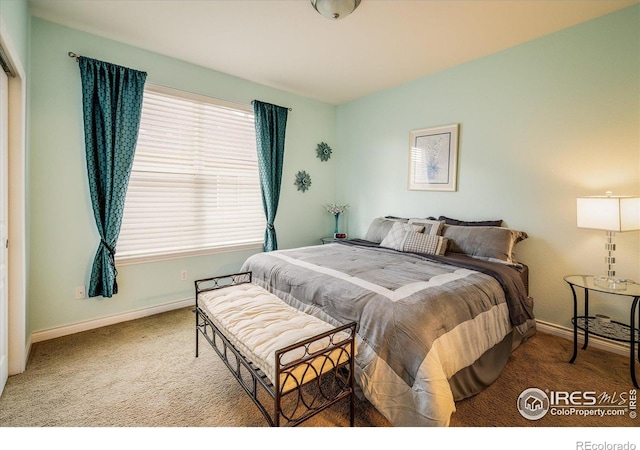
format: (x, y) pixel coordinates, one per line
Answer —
(80, 292)
(183, 275)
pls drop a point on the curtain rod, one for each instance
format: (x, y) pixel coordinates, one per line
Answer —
(290, 109)
(77, 57)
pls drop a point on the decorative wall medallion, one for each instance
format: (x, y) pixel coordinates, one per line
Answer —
(303, 181)
(324, 151)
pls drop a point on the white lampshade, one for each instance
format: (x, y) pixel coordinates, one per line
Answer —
(609, 213)
(335, 9)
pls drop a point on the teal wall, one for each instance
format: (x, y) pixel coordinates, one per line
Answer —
(540, 124)
(15, 17)
(63, 236)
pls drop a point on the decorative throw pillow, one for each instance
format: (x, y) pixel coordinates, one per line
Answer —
(398, 233)
(424, 243)
(380, 227)
(493, 243)
(478, 223)
(431, 227)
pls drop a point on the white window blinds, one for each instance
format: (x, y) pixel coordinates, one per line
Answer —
(194, 185)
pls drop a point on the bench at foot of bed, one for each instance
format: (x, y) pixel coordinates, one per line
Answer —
(298, 363)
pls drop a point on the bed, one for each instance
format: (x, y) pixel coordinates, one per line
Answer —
(439, 307)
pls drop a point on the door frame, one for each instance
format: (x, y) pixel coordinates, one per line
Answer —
(19, 339)
(4, 228)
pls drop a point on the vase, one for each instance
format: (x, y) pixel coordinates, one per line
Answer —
(335, 230)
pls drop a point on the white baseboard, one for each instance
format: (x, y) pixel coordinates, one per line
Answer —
(595, 341)
(65, 330)
(52, 333)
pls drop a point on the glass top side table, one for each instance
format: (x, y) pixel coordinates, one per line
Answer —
(602, 326)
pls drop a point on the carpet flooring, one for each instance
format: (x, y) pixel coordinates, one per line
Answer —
(143, 373)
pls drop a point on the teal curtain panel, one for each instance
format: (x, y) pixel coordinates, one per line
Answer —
(271, 124)
(112, 103)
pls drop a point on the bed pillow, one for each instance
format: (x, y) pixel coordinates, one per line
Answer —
(431, 227)
(397, 235)
(380, 227)
(402, 219)
(424, 243)
(479, 223)
(491, 243)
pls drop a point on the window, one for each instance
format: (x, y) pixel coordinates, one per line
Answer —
(194, 185)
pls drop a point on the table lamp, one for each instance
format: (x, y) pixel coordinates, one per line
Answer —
(612, 214)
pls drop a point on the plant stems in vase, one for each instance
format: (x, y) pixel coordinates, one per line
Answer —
(336, 210)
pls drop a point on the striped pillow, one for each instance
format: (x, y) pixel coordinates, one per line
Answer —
(424, 243)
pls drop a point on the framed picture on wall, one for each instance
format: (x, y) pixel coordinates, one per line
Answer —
(433, 158)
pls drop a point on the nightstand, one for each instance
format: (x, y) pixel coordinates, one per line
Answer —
(602, 326)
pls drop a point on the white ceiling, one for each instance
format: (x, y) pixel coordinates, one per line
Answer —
(287, 45)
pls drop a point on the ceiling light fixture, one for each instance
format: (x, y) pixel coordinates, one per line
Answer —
(335, 9)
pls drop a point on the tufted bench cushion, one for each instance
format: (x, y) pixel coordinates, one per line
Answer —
(258, 323)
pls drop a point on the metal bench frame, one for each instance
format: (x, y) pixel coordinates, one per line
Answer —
(333, 383)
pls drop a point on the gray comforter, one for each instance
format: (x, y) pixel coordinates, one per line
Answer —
(420, 319)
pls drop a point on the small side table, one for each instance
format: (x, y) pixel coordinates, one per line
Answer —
(330, 239)
(612, 330)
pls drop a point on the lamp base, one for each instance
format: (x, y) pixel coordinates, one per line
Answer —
(614, 284)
